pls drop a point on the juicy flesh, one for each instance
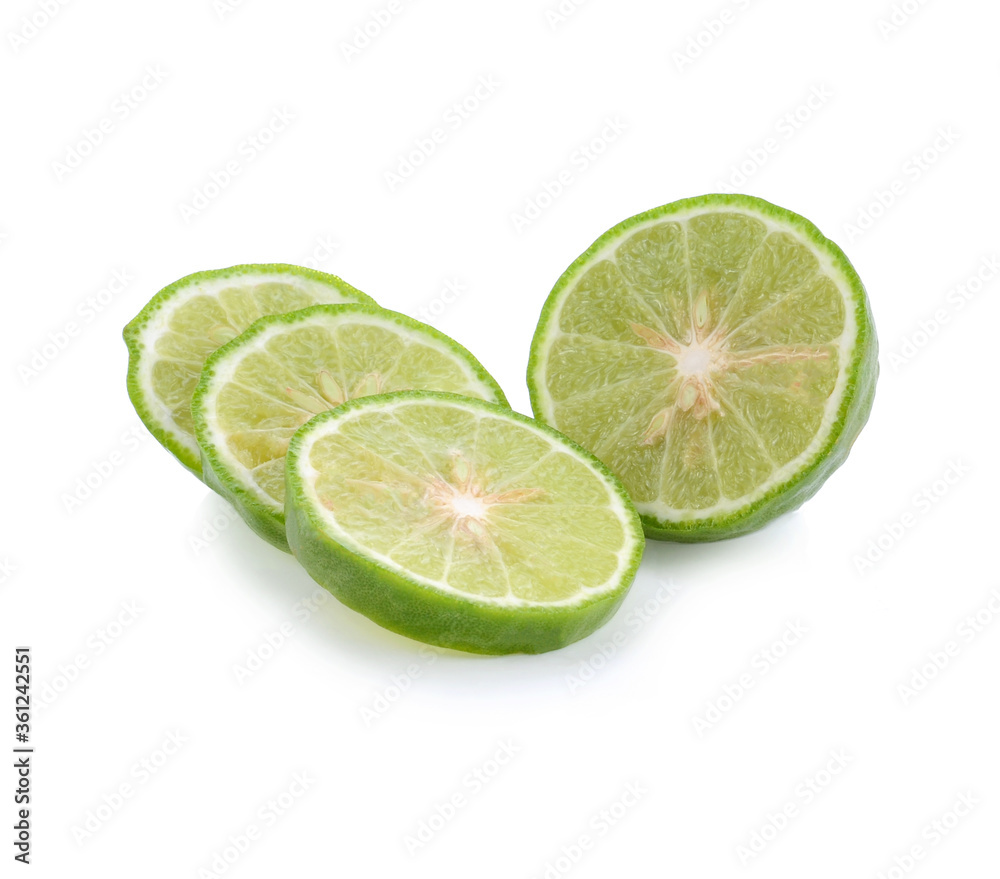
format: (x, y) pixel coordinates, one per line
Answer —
(475, 501)
(698, 359)
(204, 323)
(309, 367)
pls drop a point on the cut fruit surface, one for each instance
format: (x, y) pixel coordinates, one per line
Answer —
(257, 390)
(718, 354)
(173, 335)
(460, 523)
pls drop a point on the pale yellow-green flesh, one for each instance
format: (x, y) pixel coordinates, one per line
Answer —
(698, 358)
(290, 373)
(484, 505)
(201, 325)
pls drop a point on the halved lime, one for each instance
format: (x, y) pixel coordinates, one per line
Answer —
(718, 354)
(256, 391)
(169, 340)
(460, 523)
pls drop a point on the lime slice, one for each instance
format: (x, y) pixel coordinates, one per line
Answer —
(259, 389)
(169, 340)
(460, 523)
(718, 354)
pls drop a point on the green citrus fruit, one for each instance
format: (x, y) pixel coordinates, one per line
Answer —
(718, 354)
(170, 339)
(257, 390)
(460, 523)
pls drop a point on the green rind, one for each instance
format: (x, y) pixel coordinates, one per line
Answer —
(261, 518)
(132, 332)
(416, 611)
(855, 407)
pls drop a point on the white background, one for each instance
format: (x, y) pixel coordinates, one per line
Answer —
(582, 728)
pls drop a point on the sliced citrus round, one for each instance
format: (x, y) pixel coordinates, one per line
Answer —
(170, 339)
(257, 390)
(460, 523)
(718, 354)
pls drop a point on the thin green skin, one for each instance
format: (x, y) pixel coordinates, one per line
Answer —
(855, 407)
(131, 334)
(417, 611)
(264, 520)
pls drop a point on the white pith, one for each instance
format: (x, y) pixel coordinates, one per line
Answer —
(467, 506)
(225, 370)
(159, 323)
(309, 476)
(696, 360)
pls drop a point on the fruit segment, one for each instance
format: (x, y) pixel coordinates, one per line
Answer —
(710, 352)
(285, 369)
(459, 522)
(174, 334)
